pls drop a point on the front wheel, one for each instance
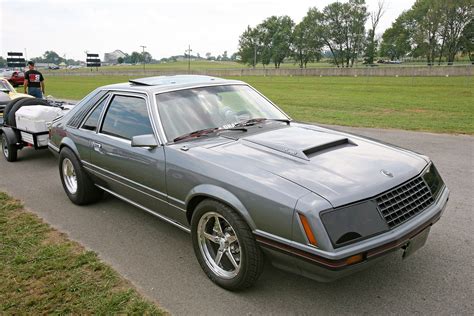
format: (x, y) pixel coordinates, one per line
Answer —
(76, 182)
(225, 246)
(9, 150)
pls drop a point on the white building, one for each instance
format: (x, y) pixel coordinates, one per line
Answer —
(112, 58)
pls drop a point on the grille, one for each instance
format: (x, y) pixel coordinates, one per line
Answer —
(400, 204)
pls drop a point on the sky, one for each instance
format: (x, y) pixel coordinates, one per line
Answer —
(166, 28)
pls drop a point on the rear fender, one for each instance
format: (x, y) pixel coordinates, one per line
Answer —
(67, 142)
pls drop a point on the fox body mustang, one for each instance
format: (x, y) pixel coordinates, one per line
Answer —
(219, 160)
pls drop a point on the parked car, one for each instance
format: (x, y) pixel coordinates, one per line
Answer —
(7, 94)
(217, 159)
(7, 88)
(15, 77)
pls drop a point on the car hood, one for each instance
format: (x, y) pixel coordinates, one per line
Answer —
(16, 95)
(342, 168)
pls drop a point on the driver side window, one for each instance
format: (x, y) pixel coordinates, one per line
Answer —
(126, 117)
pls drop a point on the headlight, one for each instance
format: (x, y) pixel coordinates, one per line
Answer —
(433, 180)
(352, 223)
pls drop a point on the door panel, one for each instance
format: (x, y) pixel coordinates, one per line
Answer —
(136, 173)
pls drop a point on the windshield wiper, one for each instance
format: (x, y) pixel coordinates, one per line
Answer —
(206, 131)
(254, 121)
(197, 133)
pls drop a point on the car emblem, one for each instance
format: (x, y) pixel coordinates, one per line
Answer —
(386, 173)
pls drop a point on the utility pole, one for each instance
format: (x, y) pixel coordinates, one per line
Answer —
(143, 54)
(189, 50)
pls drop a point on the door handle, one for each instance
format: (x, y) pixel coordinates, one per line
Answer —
(97, 146)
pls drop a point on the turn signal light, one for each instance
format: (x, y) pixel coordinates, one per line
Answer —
(307, 230)
(354, 259)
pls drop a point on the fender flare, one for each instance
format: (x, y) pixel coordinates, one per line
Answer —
(203, 191)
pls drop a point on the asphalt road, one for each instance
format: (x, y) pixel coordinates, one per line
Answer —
(158, 258)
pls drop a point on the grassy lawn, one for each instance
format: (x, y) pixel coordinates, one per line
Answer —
(42, 272)
(435, 104)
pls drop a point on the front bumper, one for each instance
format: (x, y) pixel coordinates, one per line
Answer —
(328, 266)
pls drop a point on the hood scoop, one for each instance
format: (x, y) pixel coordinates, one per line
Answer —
(306, 153)
(312, 151)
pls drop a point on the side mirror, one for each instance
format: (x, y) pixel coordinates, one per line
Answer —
(147, 140)
(5, 91)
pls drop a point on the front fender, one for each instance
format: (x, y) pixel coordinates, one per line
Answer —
(220, 194)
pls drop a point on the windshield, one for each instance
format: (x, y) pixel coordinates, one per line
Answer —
(5, 85)
(185, 111)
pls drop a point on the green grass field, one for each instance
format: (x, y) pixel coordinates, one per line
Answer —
(42, 272)
(435, 104)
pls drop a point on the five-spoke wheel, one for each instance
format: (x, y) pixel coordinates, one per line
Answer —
(219, 245)
(225, 246)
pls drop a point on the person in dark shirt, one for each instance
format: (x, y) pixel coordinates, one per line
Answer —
(34, 81)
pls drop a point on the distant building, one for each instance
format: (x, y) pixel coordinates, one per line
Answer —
(112, 58)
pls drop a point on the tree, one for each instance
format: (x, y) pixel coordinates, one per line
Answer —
(426, 19)
(356, 30)
(307, 44)
(120, 60)
(396, 39)
(467, 40)
(135, 58)
(146, 57)
(276, 35)
(208, 56)
(457, 14)
(375, 17)
(250, 46)
(224, 56)
(3, 62)
(343, 29)
(52, 57)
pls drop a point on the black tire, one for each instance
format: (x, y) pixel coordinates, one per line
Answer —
(10, 104)
(10, 116)
(86, 192)
(9, 150)
(248, 254)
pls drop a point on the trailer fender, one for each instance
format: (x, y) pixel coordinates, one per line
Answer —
(12, 135)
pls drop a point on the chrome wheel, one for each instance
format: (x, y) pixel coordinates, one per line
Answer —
(219, 245)
(5, 145)
(69, 176)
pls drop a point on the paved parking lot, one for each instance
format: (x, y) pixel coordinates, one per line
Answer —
(159, 260)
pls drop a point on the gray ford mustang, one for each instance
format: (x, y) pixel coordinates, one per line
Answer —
(219, 160)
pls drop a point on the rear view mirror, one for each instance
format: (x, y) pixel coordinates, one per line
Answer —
(147, 140)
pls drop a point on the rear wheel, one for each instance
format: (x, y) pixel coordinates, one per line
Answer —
(76, 182)
(225, 246)
(9, 150)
